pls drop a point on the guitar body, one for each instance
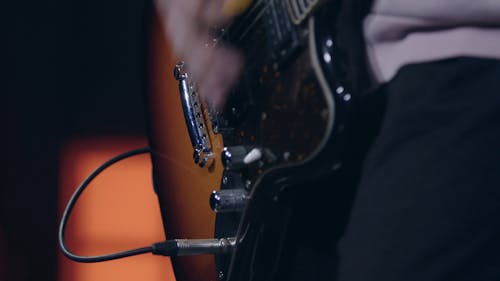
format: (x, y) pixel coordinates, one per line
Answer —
(292, 103)
(291, 109)
(183, 187)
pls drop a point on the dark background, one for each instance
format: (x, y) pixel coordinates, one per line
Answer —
(72, 68)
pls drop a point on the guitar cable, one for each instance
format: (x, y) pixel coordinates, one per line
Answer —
(174, 247)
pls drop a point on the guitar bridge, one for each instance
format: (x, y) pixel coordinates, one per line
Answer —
(195, 118)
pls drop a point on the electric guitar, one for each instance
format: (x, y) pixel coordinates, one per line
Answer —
(284, 124)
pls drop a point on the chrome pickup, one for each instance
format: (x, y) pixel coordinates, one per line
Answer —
(195, 118)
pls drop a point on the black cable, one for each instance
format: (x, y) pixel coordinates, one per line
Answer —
(72, 202)
(165, 248)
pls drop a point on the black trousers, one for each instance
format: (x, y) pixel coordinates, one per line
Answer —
(428, 204)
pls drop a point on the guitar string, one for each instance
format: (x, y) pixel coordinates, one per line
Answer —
(252, 9)
(246, 16)
(241, 23)
(242, 36)
(255, 6)
(255, 20)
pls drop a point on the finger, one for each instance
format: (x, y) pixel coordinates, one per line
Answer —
(217, 12)
(186, 8)
(221, 76)
(198, 58)
(178, 17)
(211, 13)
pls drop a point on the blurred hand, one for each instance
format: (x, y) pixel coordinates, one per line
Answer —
(187, 23)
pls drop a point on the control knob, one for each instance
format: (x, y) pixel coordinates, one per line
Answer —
(228, 200)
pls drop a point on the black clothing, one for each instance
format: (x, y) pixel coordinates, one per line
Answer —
(428, 205)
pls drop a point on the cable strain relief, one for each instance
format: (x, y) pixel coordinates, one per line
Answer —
(165, 248)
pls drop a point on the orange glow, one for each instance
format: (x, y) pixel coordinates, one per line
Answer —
(118, 211)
